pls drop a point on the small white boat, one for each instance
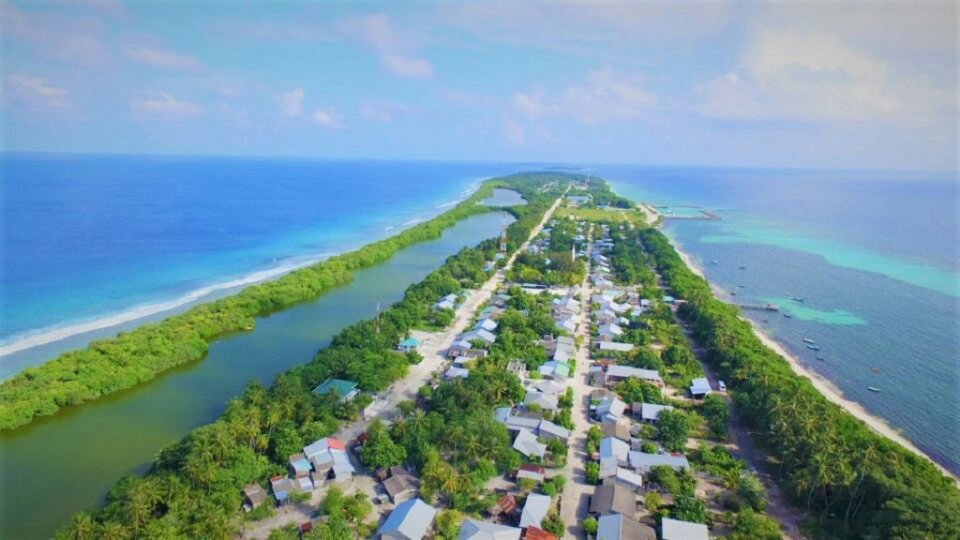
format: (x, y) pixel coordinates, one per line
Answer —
(873, 389)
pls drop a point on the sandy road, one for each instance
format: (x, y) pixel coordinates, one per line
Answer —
(577, 491)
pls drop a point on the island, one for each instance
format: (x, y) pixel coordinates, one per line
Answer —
(573, 377)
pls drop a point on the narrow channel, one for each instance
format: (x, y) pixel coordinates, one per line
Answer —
(63, 464)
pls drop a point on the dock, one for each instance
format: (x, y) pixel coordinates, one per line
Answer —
(701, 213)
(758, 307)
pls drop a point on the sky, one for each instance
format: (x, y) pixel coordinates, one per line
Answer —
(816, 84)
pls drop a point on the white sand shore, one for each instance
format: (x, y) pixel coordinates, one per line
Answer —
(821, 383)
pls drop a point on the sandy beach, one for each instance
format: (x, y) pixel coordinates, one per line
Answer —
(821, 383)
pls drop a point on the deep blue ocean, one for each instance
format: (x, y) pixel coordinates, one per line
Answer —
(875, 256)
(92, 240)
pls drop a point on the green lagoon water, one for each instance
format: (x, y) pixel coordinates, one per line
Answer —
(59, 465)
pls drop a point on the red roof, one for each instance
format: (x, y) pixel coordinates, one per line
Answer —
(534, 533)
(533, 468)
(336, 444)
(507, 503)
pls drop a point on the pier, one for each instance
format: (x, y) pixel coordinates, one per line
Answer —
(697, 213)
(758, 307)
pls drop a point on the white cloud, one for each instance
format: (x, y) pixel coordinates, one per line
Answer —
(383, 111)
(25, 90)
(397, 49)
(291, 103)
(414, 68)
(606, 96)
(814, 78)
(164, 59)
(167, 106)
(514, 133)
(328, 117)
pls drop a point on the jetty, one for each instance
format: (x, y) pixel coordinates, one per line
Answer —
(758, 307)
(698, 213)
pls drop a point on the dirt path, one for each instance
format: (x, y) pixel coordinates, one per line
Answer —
(432, 349)
(577, 491)
(742, 446)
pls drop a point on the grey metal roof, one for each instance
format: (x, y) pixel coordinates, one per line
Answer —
(534, 510)
(674, 529)
(481, 530)
(410, 520)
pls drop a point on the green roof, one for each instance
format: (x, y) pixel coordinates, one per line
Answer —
(341, 387)
(562, 369)
(410, 342)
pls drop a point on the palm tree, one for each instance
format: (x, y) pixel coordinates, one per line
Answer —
(82, 527)
(112, 530)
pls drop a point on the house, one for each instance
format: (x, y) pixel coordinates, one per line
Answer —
(548, 430)
(609, 466)
(609, 499)
(643, 462)
(610, 409)
(517, 367)
(616, 449)
(674, 529)
(569, 324)
(462, 348)
(347, 390)
(700, 387)
(617, 373)
(532, 472)
(300, 465)
(625, 478)
(609, 332)
(536, 533)
(408, 345)
(650, 412)
(619, 429)
(400, 487)
(282, 488)
(330, 460)
(516, 422)
(479, 335)
(613, 346)
(254, 496)
(456, 372)
(620, 527)
(668, 299)
(472, 529)
(534, 510)
(555, 370)
(342, 469)
(549, 387)
(486, 324)
(527, 444)
(410, 520)
(546, 402)
(505, 505)
(446, 303)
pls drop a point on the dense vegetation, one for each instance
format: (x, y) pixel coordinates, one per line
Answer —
(852, 481)
(193, 489)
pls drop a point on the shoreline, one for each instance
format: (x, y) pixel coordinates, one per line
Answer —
(55, 333)
(823, 385)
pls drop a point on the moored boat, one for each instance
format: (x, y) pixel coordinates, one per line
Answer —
(873, 389)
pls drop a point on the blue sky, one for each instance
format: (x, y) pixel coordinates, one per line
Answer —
(812, 85)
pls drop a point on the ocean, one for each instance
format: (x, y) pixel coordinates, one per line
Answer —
(95, 244)
(866, 263)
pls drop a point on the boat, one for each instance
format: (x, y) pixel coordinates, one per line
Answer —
(873, 389)
(797, 299)
(743, 267)
(742, 286)
(714, 261)
(821, 358)
(787, 315)
(813, 347)
(810, 341)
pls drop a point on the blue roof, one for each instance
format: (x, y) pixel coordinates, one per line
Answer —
(410, 342)
(343, 388)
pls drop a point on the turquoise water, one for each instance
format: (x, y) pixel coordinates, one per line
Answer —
(66, 463)
(873, 255)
